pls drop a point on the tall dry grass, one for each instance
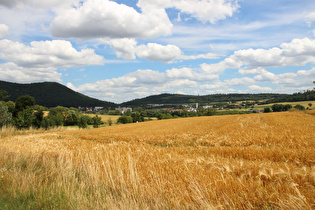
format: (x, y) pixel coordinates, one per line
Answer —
(258, 161)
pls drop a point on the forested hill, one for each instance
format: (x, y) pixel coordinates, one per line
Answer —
(185, 99)
(308, 95)
(51, 94)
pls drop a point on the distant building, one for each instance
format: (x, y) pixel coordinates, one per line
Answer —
(98, 108)
(207, 106)
(123, 109)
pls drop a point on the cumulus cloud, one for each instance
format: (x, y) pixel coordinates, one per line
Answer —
(127, 48)
(157, 52)
(56, 53)
(104, 18)
(201, 56)
(41, 59)
(124, 48)
(203, 10)
(4, 29)
(35, 3)
(257, 88)
(296, 53)
(265, 76)
(146, 81)
(14, 73)
(247, 70)
(240, 81)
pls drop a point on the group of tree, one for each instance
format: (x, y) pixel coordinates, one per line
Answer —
(308, 95)
(131, 117)
(23, 113)
(282, 107)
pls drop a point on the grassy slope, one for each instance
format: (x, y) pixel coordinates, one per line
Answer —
(238, 162)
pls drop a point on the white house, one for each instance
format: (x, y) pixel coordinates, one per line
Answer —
(123, 109)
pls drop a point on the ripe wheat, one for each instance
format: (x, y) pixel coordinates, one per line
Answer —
(219, 162)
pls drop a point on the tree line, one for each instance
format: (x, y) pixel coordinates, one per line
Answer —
(24, 113)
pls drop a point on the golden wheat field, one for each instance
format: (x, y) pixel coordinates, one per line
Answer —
(257, 161)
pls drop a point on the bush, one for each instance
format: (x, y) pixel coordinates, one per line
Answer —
(97, 121)
(84, 120)
(125, 119)
(281, 107)
(267, 110)
(299, 107)
(136, 117)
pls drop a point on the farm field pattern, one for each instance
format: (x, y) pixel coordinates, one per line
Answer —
(257, 161)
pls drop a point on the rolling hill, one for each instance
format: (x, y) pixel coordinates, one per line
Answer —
(51, 94)
(166, 98)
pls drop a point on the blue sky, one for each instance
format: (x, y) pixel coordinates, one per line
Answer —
(121, 50)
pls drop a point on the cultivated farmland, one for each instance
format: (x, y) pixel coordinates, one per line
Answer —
(257, 161)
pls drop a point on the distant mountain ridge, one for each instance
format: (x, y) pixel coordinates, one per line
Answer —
(167, 98)
(51, 94)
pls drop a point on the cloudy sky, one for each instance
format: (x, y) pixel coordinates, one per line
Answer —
(118, 50)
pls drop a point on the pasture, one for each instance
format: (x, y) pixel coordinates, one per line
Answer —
(257, 161)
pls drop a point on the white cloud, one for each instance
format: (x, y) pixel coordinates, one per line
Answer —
(188, 73)
(127, 48)
(246, 70)
(310, 18)
(35, 3)
(296, 53)
(145, 82)
(104, 18)
(146, 77)
(240, 81)
(299, 47)
(4, 30)
(41, 54)
(182, 73)
(203, 10)
(265, 76)
(201, 56)
(40, 60)
(124, 48)
(14, 73)
(157, 52)
(257, 88)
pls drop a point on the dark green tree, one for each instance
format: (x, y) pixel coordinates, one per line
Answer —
(24, 102)
(84, 120)
(47, 122)
(210, 111)
(97, 121)
(5, 115)
(267, 110)
(72, 117)
(3, 95)
(24, 118)
(136, 117)
(58, 115)
(11, 106)
(299, 107)
(125, 119)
